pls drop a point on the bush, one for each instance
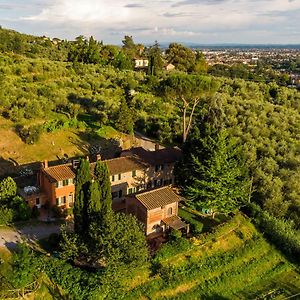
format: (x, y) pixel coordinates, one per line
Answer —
(21, 210)
(31, 134)
(280, 232)
(175, 235)
(68, 212)
(6, 216)
(195, 225)
(172, 248)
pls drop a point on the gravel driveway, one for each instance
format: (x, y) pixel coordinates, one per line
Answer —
(9, 237)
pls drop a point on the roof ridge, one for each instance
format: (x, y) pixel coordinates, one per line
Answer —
(153, 190)
(116, 158)
(61, 165)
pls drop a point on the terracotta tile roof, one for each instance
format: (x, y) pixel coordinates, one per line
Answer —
(161, 156)
(123, 164)
(59, 173)
(157, 197)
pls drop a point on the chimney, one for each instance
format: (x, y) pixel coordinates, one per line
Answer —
(98, 157)
(156, 147)
(45, 164)
(75, 163)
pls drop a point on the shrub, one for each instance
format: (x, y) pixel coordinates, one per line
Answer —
(6, 216)
(31, 134)
(21, 211)
(195, 225)
(172, 248)
(175, 235)
(280, 232)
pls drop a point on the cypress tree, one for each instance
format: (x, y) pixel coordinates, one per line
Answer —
(83, 178)
(94, 205)
(102, 178)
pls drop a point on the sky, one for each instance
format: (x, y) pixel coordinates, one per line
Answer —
(186, 21)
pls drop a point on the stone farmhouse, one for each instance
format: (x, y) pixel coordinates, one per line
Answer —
(157, 209)
(131, 174)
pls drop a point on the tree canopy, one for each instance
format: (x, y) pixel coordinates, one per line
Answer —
(214, 177)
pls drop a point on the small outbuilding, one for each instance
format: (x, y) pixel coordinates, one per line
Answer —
(157, 209)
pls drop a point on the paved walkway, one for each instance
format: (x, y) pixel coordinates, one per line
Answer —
(9, 237)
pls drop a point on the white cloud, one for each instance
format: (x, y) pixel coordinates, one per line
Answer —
(83, 11)
(185, 20)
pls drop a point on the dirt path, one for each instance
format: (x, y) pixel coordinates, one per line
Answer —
(9, 237)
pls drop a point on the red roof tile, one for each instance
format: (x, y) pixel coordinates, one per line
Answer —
(158, 197)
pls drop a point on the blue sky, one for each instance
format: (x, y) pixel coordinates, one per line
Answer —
(201, 21)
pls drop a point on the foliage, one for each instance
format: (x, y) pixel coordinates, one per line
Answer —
(156, 61)
(214, 177)
(125, 118)
(280, 232)
(26, 268)
(8, 189)
(83, 178)
(6, 215)
(21, 210)
(181, 57)
(13, 207)
(195, 225)
(187, 91)
(102, 178)
(101, 237)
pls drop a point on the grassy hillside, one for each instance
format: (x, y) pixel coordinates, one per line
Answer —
(235, 262)
(59, 144)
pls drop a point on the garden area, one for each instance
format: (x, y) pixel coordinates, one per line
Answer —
(200, 223)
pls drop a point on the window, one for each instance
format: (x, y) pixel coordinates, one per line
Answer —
(119, 176)
(134, 173)
(131, 190)
(58, 184)
(170, 211)
(113, 178)
(61, 200)
(70, 198)
(37, 201)
(120, 193)
(71, 181)
(65, 182)
(114, 195)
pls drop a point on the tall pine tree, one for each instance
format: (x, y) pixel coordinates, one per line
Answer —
(101, 174)
(214, 173)
(83, 178)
